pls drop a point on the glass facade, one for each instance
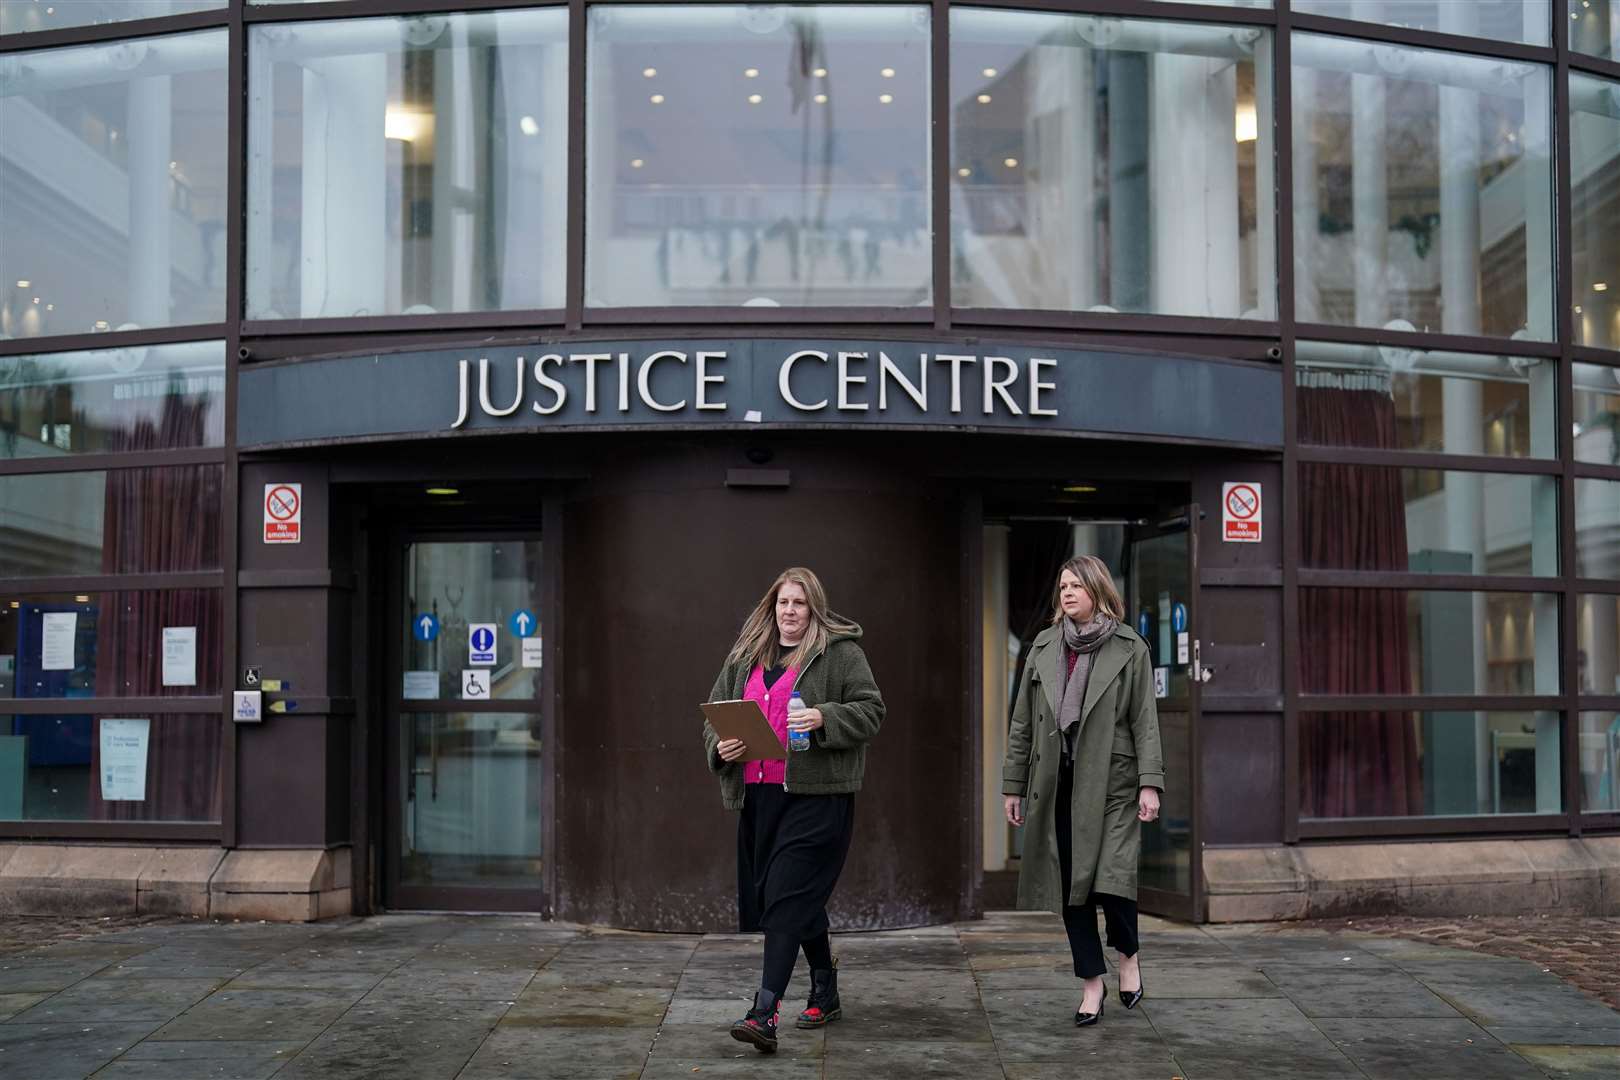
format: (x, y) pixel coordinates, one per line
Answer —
(1452, 530)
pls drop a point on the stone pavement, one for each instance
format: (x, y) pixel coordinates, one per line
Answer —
(404, 997)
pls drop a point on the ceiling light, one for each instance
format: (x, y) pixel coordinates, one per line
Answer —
(406, 125)
(964, 172)
(755, 99)
(990, 73)
(657, 99)
(751, 73)
(984, 99)
(82, 598)
(820, 73)
(23, 283)
(101, 324)
(1011, 163)
(1081, 489)
(1248, 124)
(50, 307)
(529, 125)
(887, 99)
(649, 72)
(887, 73)
(1600, 286)
(16, 603)
(821, 99)
(443, 491)
(636, 163)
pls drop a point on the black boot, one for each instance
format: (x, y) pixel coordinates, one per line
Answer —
(824, 1006)
(758, 1025)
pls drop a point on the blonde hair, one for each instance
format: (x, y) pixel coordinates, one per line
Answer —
(1096, 580)
(759, 643)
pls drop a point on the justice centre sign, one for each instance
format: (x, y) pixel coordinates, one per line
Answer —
(738, 383)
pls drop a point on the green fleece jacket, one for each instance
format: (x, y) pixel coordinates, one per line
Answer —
(839, 682)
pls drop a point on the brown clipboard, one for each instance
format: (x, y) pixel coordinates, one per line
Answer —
(745, 720)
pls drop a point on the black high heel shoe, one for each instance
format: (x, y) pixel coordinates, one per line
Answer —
(1130, 1000)
(1084, 1019)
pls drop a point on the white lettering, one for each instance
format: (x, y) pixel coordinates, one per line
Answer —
(956, 363)
(784, 380)
(483, 388)
(846, 380)
(1036, 386)
(461, 412)
(644, 382)
(558, 389)
(624, 382)
(998, 387)
(590, 360)
(917, 391)
(704, 379)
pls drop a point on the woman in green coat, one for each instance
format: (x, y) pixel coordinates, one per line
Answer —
(1083, 771)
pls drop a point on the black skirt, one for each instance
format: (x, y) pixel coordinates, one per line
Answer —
(790, 851)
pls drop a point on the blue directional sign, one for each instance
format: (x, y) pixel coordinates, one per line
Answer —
(523, 622)
(1143, 623)
(425, 627)
(481, 644)
(1178, 618)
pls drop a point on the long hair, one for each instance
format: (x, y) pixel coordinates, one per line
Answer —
(759, 641)
(1096, 580)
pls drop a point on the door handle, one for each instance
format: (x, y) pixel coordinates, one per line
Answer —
(1199, 671)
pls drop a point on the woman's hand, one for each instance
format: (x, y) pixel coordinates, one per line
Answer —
(1147, 804)
(1015, 809)
(732, 749)
(805, 721)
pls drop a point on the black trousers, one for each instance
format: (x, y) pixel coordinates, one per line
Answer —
(790, 851)
(1080, 920)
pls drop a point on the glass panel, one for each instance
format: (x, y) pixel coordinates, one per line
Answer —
(472, 800)
(1597, 639)
(408, 166)
(127, 521)
(1597, 528)
(1597, 412)
(1388, 398)
(143, 397)
(1600, 762)
(1158, 584)
(123, 768)
(1411, 764)
(758, 155)
(1529, 21)
(110, 644)
(1411, 641)
(1071, 141)
(1427, 521)
(1167, 843)
(1386, 237)
(458, 586)
(27, 16)
(1594, 208)
(112, 195)
(1594, 27)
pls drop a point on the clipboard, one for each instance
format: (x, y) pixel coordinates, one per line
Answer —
(745, 720)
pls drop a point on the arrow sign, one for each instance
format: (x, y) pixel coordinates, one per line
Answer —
(523, 622)
(425, 628)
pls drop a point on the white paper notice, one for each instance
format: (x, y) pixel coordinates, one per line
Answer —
(56, 653)
(123, 759)
(421, 685)
(534, 652)
(179, 656)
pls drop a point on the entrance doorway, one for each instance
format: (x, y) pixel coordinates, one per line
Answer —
(465, 758)
(1144, 533)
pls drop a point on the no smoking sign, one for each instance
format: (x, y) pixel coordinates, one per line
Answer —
(283, 513)
(1240, 513)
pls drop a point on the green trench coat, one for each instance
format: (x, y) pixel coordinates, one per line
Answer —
(1116, 753)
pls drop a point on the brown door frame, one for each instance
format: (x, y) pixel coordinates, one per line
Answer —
(397, 537)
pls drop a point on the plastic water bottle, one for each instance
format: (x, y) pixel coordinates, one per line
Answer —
(798, 740)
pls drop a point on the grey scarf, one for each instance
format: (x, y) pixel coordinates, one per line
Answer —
(1082, 639)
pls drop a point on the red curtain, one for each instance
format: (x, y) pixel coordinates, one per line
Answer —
(163, 520)
(1354, 641)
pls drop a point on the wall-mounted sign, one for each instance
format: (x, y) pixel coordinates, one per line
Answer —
(718, 382)
(481, 643)
(247, 706)
(1240, 513)
(425, 627)
(283, 513)
(475, 684)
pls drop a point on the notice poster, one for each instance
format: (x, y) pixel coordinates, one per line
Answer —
(179, 656)
(534, 652)
(123, 760)
(421, 685)
(58, 633)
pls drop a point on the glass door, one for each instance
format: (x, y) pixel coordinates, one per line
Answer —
(1162, 602)
(466, 775)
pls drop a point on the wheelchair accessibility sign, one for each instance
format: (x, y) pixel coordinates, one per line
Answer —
(475, 684)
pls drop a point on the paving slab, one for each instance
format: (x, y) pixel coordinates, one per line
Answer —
(1425, 1049)
(64, 1051)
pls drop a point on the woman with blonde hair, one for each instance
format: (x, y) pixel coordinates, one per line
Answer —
(1083, 771)
(798, 815)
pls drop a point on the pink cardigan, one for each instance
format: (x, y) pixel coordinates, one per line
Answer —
(775, 703)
